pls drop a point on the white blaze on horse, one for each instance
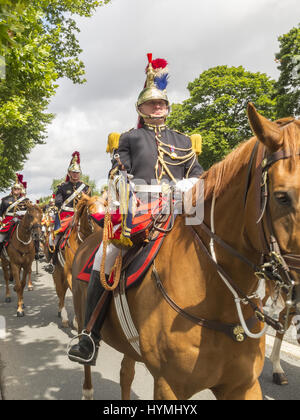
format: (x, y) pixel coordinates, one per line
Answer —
(197, 311)
(21, 251)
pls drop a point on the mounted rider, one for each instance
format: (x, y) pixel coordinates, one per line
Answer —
(152, 153)
(67, 196)
(12, 207)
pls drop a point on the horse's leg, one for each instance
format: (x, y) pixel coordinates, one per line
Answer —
(6, 273)
(239, 393)
(61, 289)
(279, 377)
(162, 390)
(126, 376)
(19, 288)
(87, 389)
(30, 285)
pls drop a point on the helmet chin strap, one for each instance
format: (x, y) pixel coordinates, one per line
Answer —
(152, 116)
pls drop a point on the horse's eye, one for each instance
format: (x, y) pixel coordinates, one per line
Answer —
(283, 198)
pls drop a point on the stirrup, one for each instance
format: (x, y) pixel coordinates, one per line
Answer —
(79, 359)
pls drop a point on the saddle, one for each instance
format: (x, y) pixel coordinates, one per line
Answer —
(148, 232)
(11, 228)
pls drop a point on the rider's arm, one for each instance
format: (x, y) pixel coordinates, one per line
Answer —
(59, 197)
(192, 169)
(124, 153)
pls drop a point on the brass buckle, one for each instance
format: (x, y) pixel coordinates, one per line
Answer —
(260, 316)
(239, 333)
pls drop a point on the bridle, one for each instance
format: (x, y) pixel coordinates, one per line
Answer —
(274, 265)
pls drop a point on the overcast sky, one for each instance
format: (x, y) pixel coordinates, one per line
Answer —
(192, 35)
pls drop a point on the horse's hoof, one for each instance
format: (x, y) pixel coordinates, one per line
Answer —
(7, 299)
(280, 379)
(30, 288)
(20, 314)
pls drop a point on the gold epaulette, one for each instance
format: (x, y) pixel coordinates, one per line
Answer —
(196, 140)
(113, 141)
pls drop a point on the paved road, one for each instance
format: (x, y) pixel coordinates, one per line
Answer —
(33, 353)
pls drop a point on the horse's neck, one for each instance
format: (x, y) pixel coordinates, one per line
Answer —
(230, 223)
(23, 232)
(84, 227)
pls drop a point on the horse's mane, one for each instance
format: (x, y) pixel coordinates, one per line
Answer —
(220, 175)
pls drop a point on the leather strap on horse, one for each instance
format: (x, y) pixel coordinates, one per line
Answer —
(97, 311)
(234, 331)
(260, 315)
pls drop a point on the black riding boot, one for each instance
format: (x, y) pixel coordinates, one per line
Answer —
(86, 351)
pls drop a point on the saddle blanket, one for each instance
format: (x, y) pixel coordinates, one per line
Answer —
(136, 269)
(7, 224)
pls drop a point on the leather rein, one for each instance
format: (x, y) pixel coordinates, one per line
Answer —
(273, 265)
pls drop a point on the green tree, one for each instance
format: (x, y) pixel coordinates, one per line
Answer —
(288, 84)
(37, 46)
(84, 178)
(217, 106)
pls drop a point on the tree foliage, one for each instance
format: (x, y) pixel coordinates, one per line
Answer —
(38, 45)
(217, 108)
(288, 84)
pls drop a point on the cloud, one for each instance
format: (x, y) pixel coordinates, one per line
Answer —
(193, 35)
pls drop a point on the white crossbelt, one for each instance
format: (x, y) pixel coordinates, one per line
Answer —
(12, 206)
(69, 199)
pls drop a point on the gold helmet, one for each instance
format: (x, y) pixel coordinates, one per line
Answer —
(19, 183)
(156, 82)
(75, 163)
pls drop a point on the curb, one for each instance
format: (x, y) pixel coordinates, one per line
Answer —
(286, 347)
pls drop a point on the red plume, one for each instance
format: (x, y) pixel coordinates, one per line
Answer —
(20, 178)
(159, 63)
(78, 156)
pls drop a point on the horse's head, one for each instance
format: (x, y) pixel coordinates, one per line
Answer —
(280, 180)
(33, 220)
(88, 207)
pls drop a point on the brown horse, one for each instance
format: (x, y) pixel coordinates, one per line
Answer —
(21, 252)
(82, 226)
(190, 351)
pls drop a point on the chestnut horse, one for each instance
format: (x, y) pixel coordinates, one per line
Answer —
(207, 270)
(21, 252)
(82, 226)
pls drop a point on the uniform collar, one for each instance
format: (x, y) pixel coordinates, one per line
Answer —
(156, 128)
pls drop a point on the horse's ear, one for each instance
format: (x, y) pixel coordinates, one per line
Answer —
(266, 131)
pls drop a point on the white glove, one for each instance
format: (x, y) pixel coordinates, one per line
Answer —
(21, 212)
(185, 184)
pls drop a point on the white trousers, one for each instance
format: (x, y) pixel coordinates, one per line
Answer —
(2, 236)
(111, 254)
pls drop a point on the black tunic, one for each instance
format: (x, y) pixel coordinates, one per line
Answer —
(138, 152)
(7, 201)
(65, 190)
